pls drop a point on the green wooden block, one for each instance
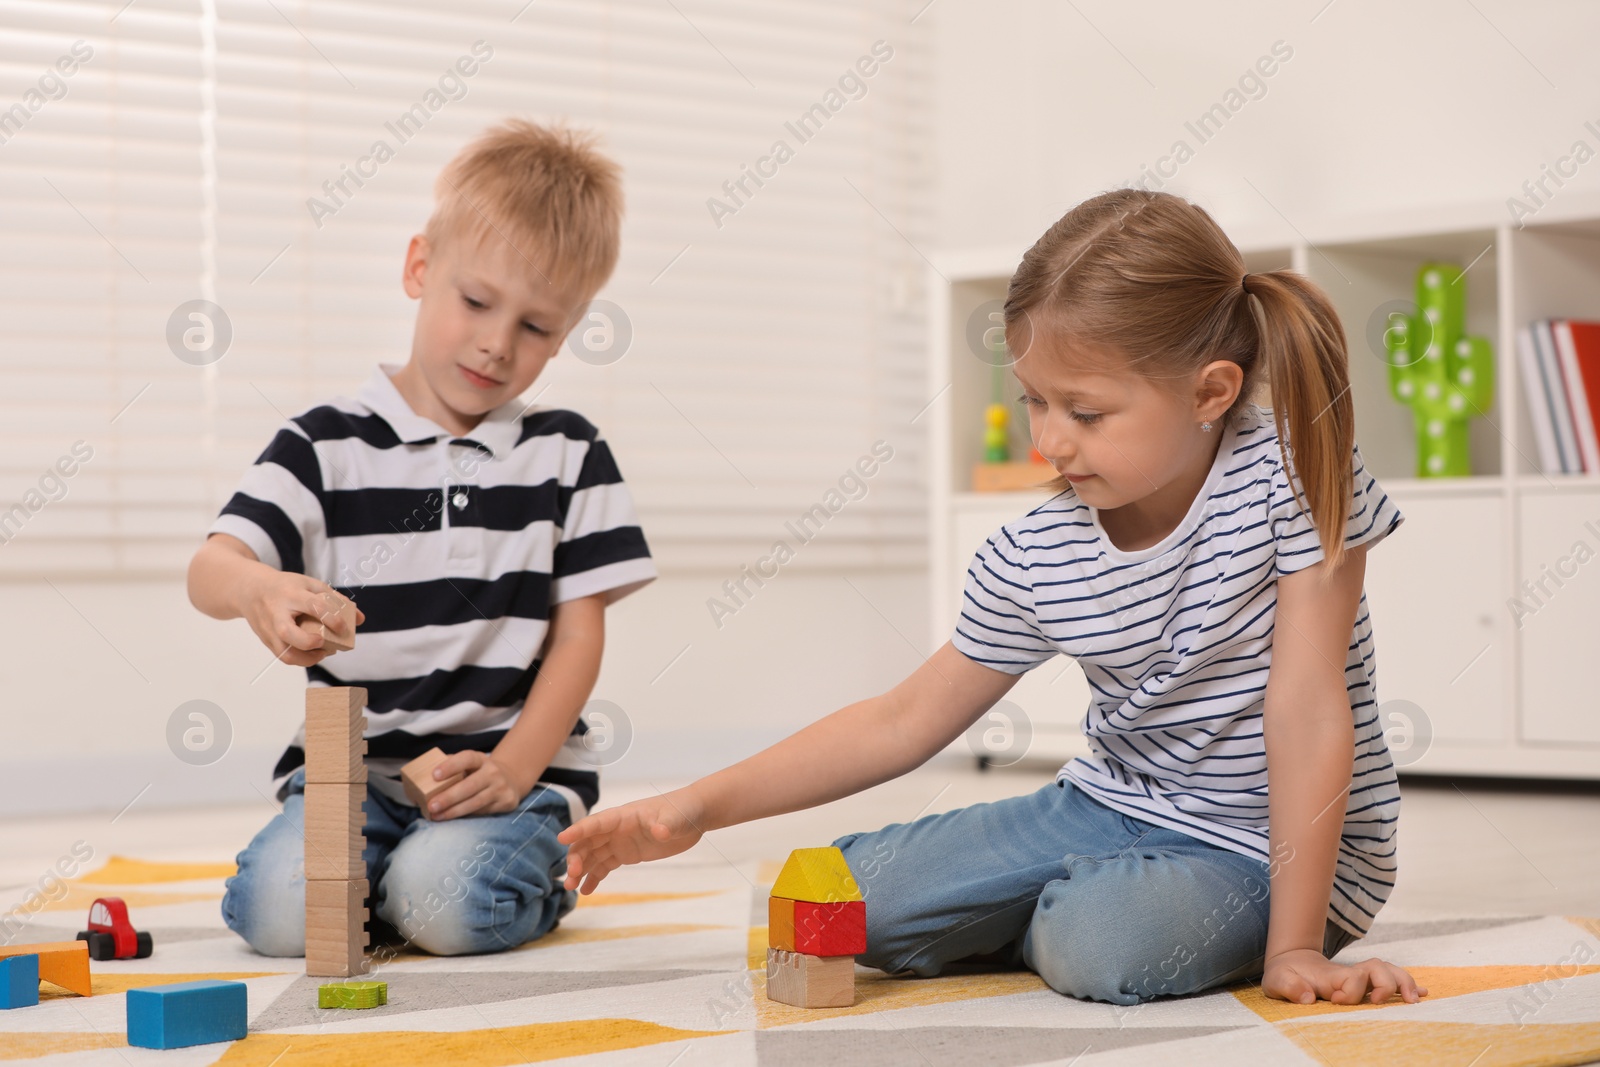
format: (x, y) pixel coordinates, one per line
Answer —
(352, 994)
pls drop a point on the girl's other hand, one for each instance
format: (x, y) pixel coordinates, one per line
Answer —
(644, 830)
(1303, 975)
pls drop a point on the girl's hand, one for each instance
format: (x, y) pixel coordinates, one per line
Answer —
(644, 830)
(489, 788)
(1303, 975)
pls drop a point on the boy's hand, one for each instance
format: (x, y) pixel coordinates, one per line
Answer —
(1303, 975)
(643, 830)
(490, 787)
(274, 605)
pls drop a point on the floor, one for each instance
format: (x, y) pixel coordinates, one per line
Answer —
(1466, 848)
(1497, 912)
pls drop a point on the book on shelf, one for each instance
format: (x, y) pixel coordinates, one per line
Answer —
(1560, 361)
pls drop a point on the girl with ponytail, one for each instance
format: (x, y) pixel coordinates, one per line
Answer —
(1202, 561)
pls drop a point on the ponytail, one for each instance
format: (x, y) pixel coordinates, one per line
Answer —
(1151, 275)
(1303, 351)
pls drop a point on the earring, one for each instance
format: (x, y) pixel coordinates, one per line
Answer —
(1206, 426)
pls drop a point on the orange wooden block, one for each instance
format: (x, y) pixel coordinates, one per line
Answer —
(336, 935)
(335, 749)
(417, 779)
(810, 981)
(333, 831)
(66, 963)
(780, 923)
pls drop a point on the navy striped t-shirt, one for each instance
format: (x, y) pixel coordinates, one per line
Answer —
(455, 548)
(1176, 642)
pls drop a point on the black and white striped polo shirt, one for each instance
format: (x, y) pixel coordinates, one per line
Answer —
(1176, 643)
(455, 548)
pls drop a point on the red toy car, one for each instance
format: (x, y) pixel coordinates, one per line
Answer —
(110, 935)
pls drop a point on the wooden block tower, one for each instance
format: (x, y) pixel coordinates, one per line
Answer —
(336, 874)
(816, 926)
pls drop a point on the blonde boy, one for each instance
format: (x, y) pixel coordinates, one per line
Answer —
(482, 540)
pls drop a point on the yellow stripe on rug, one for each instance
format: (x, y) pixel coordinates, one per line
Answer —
(1440, 982)
(78, 898)
(1586, 924)
(876, 991)
(494, 1047)
(34, 1046)
(121, 870)
(1418, 1044)
(102, 983)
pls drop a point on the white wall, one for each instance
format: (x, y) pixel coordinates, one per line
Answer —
(93, 671)
(1382, 107)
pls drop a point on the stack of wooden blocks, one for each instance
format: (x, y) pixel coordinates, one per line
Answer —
(336, 874)
(816, 926)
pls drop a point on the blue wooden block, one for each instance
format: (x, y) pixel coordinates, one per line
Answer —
(186, 1013)
(19, 981)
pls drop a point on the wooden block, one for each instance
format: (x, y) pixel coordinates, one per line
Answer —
(335, 749)
(780, 923)
(838, 928)
(336, 936)
(353, 995)
(816, 874)
(417, 779)
(336, 623)
(1010, 477)
(333, 830)
(810, 981)
(187, 1013)
(19, 981)
(66, 963)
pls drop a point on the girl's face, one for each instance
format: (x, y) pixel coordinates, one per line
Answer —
(1115, 435)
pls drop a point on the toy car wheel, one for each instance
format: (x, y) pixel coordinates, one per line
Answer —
(145, 945)
(101, 946)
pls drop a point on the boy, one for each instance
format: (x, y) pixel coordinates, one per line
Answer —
(482, 539)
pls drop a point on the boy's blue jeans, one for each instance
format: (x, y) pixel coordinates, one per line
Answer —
(1100, 904)
(483, 883)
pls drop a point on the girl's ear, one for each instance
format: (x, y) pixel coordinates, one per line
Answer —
(1216, 386)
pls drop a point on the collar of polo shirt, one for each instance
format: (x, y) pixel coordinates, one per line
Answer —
(498, 432)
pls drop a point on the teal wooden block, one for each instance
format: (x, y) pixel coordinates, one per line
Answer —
(187, 1013)
(19, 981)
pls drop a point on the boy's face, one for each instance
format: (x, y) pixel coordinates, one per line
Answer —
(487, 323)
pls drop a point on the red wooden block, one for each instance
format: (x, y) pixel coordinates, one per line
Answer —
(837, 928)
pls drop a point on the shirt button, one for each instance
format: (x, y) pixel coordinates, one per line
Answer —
(459, 500)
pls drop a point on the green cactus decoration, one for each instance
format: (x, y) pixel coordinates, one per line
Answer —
(1444, 376)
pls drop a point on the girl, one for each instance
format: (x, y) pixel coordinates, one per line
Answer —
(1210, 588)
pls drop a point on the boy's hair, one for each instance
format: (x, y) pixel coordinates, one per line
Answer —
(1153, 278)
(547, 190)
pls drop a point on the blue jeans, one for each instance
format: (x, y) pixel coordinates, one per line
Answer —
(1100, 904)
(484, 883)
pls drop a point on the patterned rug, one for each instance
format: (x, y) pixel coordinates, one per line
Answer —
(663, 968)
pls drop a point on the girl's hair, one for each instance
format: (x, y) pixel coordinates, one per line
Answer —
(1153, 279)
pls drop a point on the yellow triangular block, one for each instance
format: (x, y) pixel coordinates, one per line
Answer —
(819, 875)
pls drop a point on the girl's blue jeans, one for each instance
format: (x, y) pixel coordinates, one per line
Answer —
(483, 883)
(1100, 904)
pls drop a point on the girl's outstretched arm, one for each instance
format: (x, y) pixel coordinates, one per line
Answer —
(1310, 741)
(856, 747)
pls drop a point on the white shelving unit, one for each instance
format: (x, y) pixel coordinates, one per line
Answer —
(1502, 697)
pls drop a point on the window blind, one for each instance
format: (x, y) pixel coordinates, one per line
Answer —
(201, 156)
